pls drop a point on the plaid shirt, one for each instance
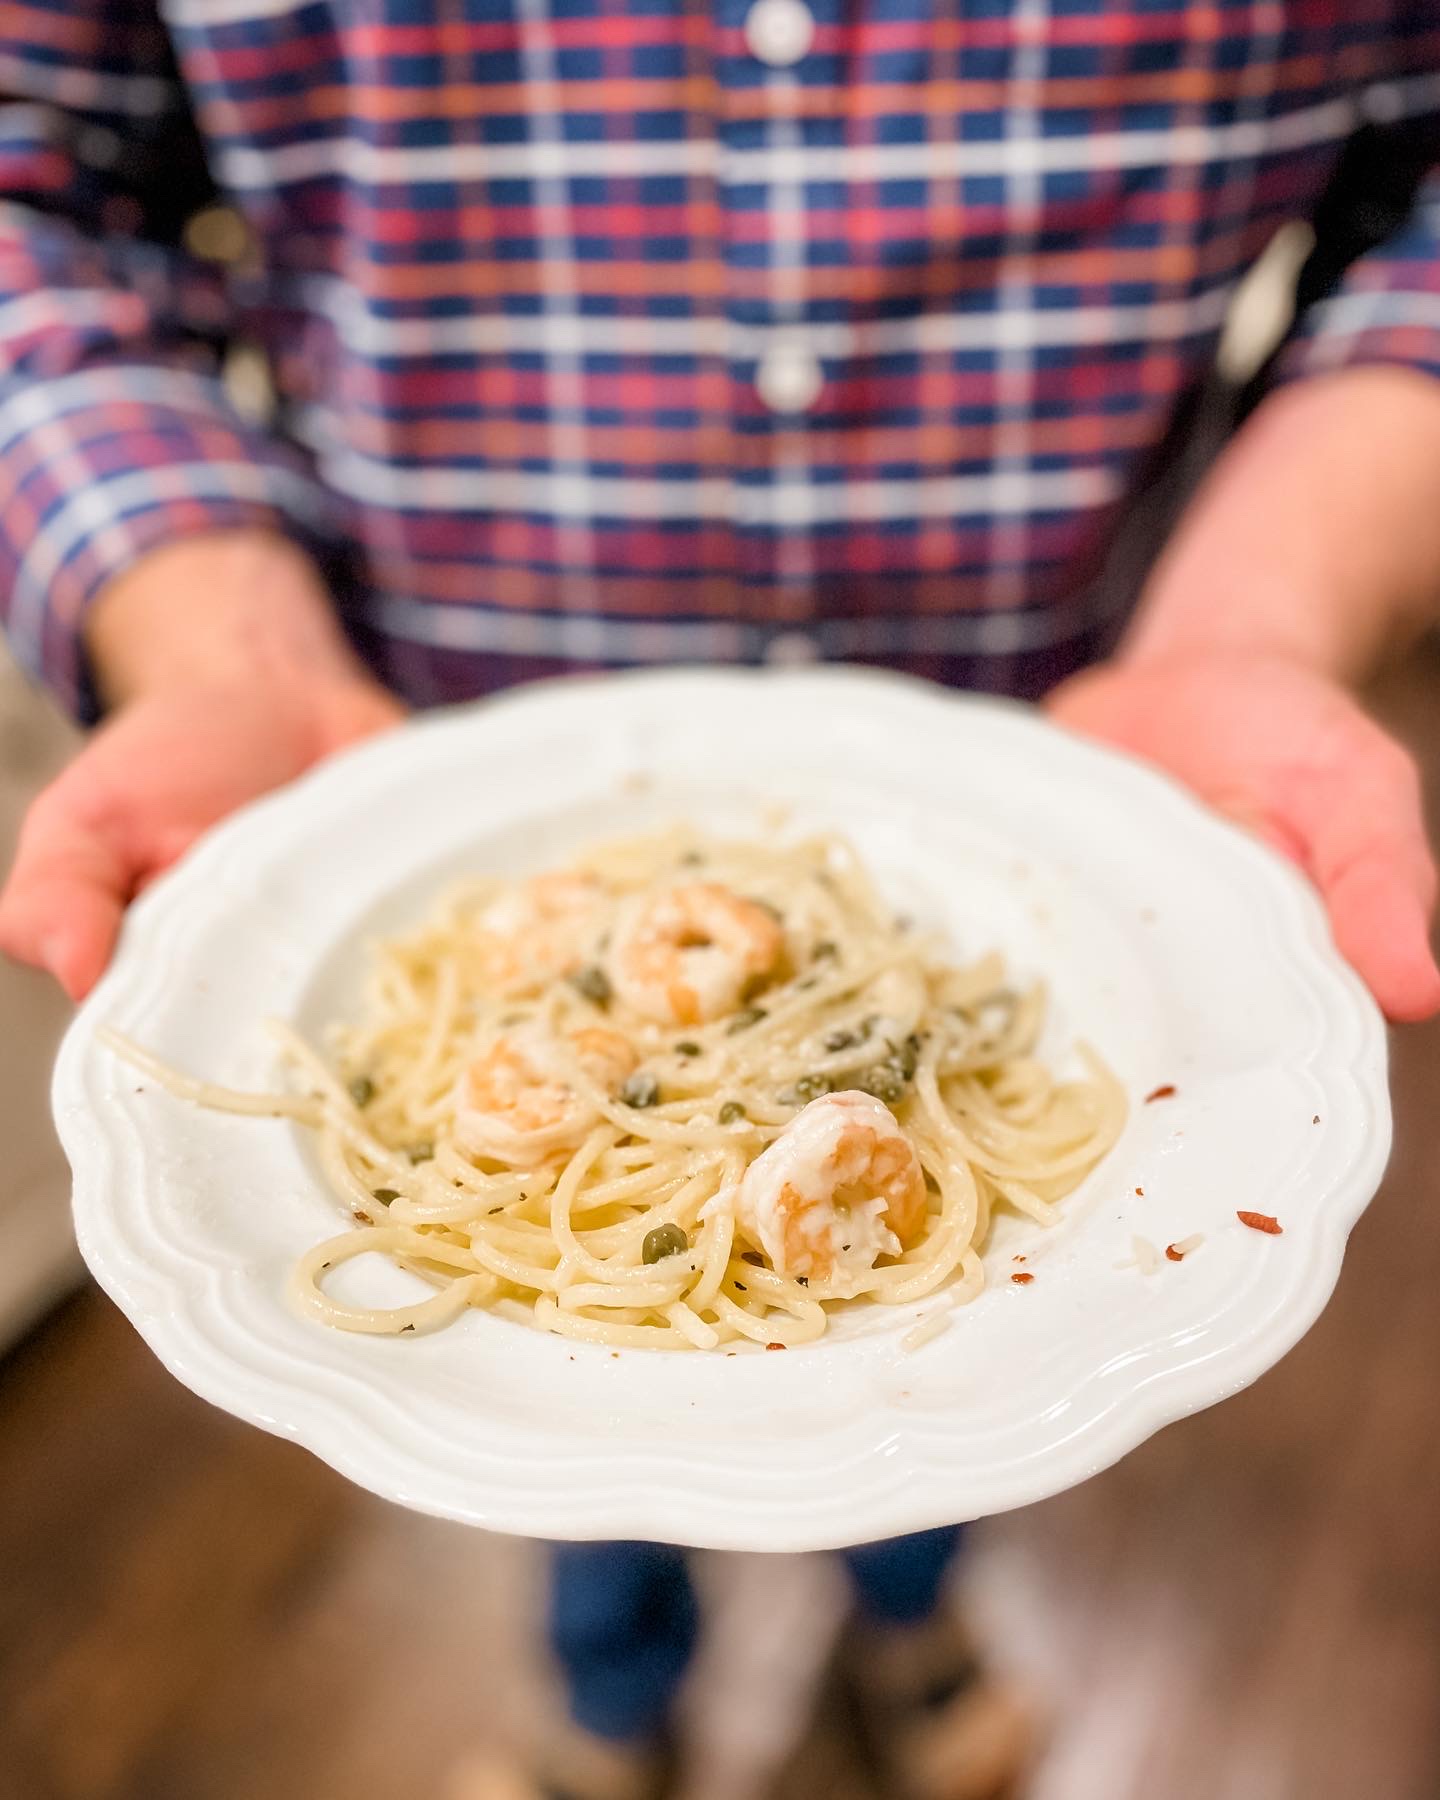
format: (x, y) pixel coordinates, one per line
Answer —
(607, 332)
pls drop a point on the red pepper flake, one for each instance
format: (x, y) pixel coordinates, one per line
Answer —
(777, 1346)
(1161, 1093)
(1020, 1280)
(616, 1355)
(1174, 1254)
(1316, 1119)
(1140, 1192)
(1261, 1222)
(1017, 1259)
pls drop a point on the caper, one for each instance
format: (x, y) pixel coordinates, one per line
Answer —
(731, 1111)
(640, 1089)
(845, 1040)
(663, 1241)
(884, 1080)
(746, 1017)
(386, 1195)
(419, 1153)
(687, 1047)
(806, 1089)
(825, 949)
(362, 1090)
(593, 983)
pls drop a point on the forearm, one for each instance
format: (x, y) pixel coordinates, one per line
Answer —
(110, 338)
(222, 607)
(1316, 537)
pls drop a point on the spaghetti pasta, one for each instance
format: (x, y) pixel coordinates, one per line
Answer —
(685, 1093)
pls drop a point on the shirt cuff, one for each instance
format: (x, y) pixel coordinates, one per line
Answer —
(98, 467)
(1387, 309)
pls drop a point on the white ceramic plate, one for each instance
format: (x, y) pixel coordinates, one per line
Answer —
(1188, 954)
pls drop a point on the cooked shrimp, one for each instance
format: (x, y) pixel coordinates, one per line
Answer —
(514, 1101)
(536, 930)
(841, 1185)
(688, 955)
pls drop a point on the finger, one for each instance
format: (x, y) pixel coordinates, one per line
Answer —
(1079, 703)
(1382, 926)
(61, 907)
(1378, 901)
(1371, 859)
(1351, 815)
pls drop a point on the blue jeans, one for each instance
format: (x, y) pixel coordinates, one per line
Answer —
(623, 1618)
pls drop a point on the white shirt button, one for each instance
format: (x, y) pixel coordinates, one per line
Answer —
(779, 32)
(789, 378)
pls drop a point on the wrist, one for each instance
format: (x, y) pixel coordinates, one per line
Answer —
(1263, 635)
(1315, 539)
(221, 609)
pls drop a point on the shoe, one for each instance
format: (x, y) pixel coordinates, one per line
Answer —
(571, 1764)
(933, 1721)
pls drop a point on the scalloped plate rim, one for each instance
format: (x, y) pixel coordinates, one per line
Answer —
(634, 1503)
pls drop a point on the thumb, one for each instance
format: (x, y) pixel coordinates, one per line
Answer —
(345, 715)
(1378, 882)
(1379, 893)
(62, 905)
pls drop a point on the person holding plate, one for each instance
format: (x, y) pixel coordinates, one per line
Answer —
(354, 362)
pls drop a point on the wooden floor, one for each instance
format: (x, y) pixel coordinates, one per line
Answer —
(1246, 1609)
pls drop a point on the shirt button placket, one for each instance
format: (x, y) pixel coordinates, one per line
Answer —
(789, 378)
(779, 33)
(787, 375)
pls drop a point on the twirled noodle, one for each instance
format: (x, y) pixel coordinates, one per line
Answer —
(684, 1094)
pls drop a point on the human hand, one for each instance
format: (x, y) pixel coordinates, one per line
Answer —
(165, 767)
(227, 675)
(1287, 752)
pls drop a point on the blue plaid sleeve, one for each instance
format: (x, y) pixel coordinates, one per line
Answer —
(1387, 310)
(115, 430)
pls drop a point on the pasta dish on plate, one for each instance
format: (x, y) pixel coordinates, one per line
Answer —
(681, 1093)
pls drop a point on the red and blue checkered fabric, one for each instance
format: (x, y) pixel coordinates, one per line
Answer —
(599, 339)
